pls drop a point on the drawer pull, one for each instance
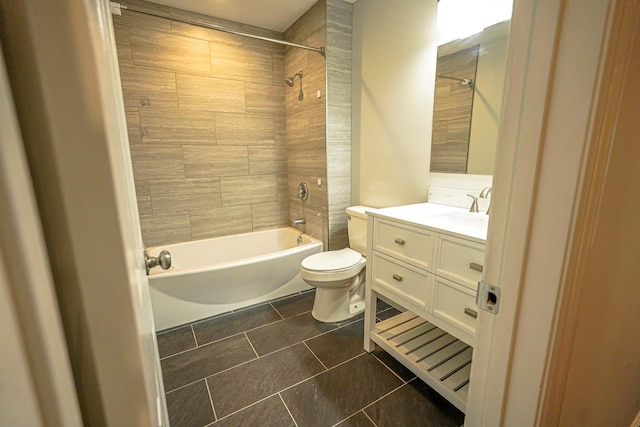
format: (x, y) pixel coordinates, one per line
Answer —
(399, 241)
(476, 267)
(397, 277)
(470, 312)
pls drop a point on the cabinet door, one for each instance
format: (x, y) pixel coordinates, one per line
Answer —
(406, 281)
(459, 260)
(402, 241)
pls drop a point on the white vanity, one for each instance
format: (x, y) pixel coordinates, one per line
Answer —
(428, 259)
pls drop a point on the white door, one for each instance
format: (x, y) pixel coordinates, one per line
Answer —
(553, 77)
(64, 77)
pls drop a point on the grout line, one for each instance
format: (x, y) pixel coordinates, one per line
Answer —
(382, 397)
(215, 416)
(252, 347)
(367, 415)
(287, 408)
(245, 407)
(194, 336)
(279, 314)
(392, 371)
(316, 356)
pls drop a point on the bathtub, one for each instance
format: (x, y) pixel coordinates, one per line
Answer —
(213, 276)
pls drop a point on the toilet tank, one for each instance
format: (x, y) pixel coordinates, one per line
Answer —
(357, 228)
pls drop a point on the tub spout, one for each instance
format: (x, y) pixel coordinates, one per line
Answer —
(298, 221)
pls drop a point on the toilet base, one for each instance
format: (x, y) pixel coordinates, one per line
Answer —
(337, 304)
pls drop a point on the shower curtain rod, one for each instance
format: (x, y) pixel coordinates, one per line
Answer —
(320, 50)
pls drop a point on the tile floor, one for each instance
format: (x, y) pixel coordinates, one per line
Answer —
(274, 365)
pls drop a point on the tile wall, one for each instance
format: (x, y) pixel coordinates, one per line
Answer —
(206, 118)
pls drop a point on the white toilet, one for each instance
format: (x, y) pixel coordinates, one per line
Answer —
(339, 275)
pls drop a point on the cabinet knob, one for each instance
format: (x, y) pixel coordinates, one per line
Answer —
(476, 267)
(470, 312)
(399, 241)
(397, 277)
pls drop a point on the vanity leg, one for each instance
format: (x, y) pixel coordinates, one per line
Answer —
(371, 302)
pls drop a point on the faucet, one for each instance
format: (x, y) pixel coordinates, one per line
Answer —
(298, 221)
(484, 194)
(474, 205)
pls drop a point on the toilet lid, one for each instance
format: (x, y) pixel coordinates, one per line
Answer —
(332, 260)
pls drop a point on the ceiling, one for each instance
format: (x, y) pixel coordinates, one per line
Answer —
(277, 15)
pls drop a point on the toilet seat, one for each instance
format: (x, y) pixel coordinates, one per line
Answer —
(333, 268)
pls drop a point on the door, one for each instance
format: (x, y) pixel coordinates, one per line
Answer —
(63, 72)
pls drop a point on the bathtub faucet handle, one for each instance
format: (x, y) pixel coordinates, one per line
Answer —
(163, 260)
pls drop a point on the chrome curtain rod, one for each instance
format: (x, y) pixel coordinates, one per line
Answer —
(320, 50)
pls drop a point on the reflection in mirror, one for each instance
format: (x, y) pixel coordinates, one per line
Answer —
(468, 97)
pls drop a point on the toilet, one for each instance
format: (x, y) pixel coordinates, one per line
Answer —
(339, 275)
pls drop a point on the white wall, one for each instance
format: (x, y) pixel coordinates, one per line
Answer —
(394, 55)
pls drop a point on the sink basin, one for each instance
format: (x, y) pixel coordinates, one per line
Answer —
(463, 223)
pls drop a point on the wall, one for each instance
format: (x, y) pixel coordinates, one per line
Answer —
(394, 47)
(205, 113)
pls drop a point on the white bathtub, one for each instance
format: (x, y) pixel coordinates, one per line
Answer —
(213, 276)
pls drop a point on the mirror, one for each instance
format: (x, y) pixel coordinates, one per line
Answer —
(467, 102)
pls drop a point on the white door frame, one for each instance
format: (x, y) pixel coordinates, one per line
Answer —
(553, 70)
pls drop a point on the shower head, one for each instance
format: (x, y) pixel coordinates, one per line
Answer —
(289, 80)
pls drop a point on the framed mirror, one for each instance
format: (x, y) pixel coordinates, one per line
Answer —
(467, 102)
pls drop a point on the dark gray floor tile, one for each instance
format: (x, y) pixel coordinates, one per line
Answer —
(381, 306)
(294, 305)
(392, 363)
(286, 332)
(351, 320)
(234, 323)
(340, 392)
(358, 420)
(175, 341)
(339, 345)
(192, 365)
(386, 314)
(243, 385)
(269, 412)
(415, 405)
(190, 406)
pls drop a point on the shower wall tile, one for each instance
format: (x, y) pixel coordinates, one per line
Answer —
(174, 126)
(245, 129)
(123, 44)
(187, 30)
(269, 215)
(215, 161)
(184, 194)
(224, 221)
(280, 125)
(267, 160)
(157, 162)
(310, 22)
(239, 63)
(163, 51)
(158, 87)
(133, 125)
(244, 190)
(199, 17)
(150, 23)
(278, 69)
(265, 98)
(143, 197)
(165, 227)
(210, 94)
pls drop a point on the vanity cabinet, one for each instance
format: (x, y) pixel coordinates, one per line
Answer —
(433, 275)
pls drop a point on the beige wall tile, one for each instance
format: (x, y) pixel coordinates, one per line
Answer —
(236, 63)
(265, 98)
(146, 22)
(175, 126)
(169, 52)
(157, 162)
(268, 160)
(184, 194)
(133, 125)
(245, 129)
(270, 215)
(278, 68)
(123, 44)
(193, 31)
(210, 94)
(158, 87)
(280, 129)
(214, 161)
(245, 190)
(218, 222)
(165, 227)
(143, 197)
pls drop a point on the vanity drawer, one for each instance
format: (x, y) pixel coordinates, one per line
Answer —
(455, 304)
(410, 244)
(459, 260)
(400, 278)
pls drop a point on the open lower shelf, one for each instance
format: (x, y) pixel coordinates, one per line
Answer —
(438, 358)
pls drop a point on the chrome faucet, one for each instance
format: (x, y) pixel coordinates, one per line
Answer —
(474, 205)
(299, 221)
(484, 194)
